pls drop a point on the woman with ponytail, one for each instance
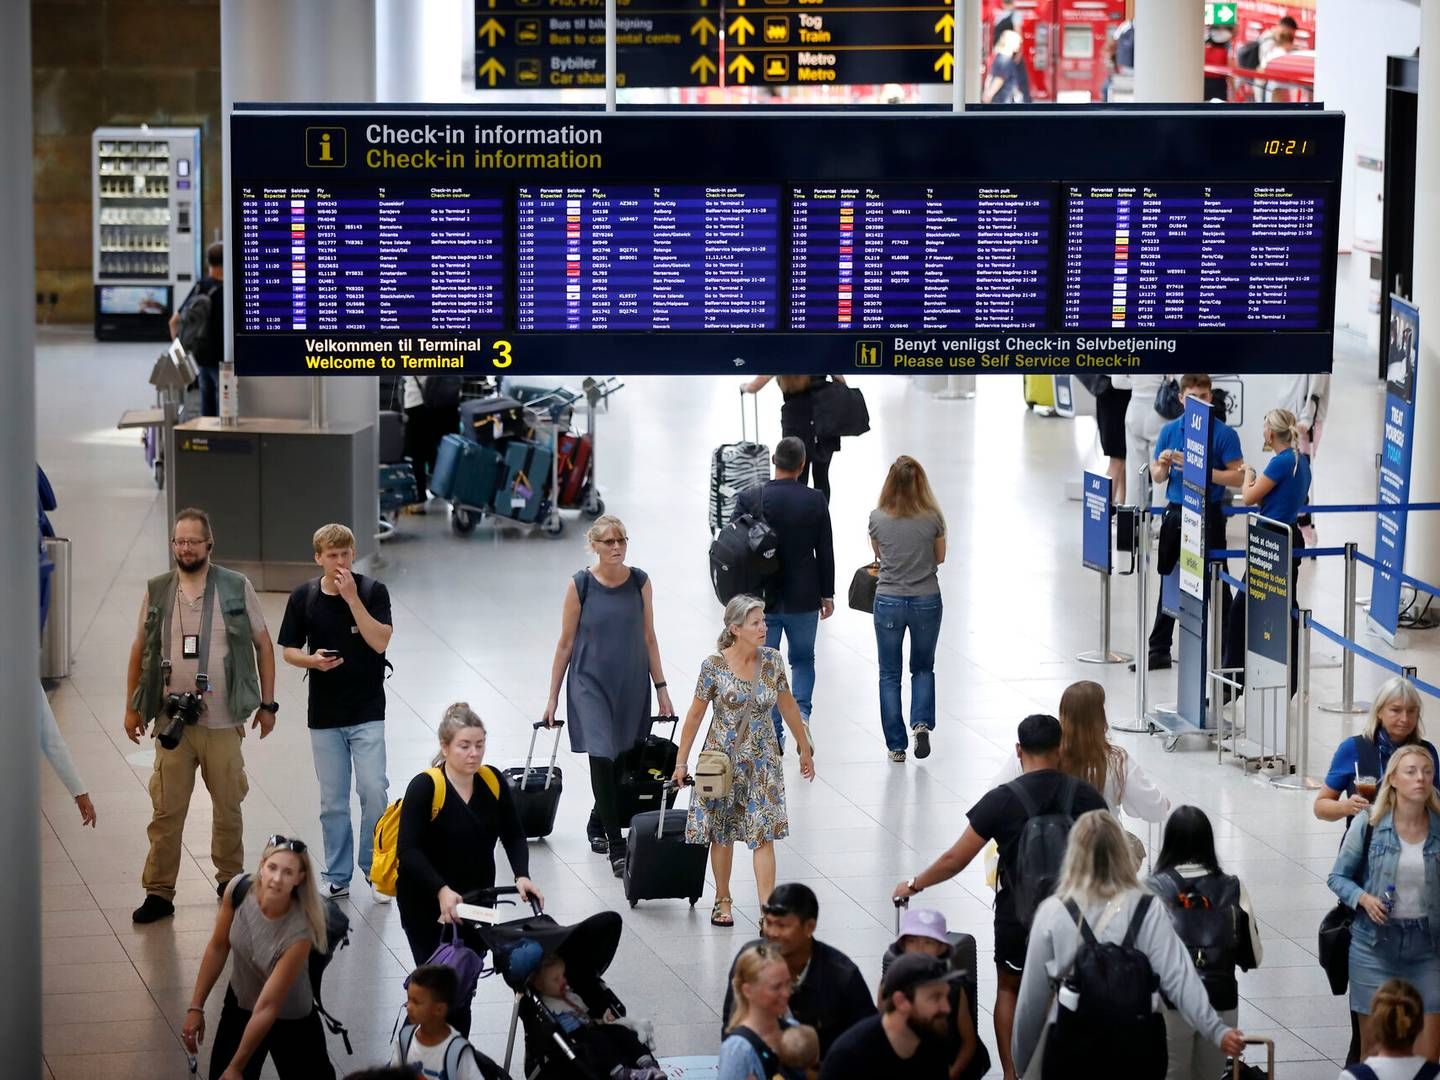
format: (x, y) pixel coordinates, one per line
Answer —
(449, 852)
(1397, 1017)
(744, 680)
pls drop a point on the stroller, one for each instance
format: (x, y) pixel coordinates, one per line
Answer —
(587, 947)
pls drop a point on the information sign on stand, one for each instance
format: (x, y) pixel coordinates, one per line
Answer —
(1269, 598)
(1195, 479)
(1095, 534)
(1397, 440)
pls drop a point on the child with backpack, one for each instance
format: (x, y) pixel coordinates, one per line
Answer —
(268, 926)
(1397, 1017)
(1101, 951)
(1211, 912)
(1029, 818)
(427, 1045)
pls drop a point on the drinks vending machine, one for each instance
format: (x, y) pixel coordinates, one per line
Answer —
(148, 246)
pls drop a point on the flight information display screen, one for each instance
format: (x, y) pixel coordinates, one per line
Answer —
(919, 257)
(1194, 257)
(386, 257)
(572, 242)
(660, 257)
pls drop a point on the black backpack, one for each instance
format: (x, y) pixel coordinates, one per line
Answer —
(1428, 1071)
(441, 391)
(194, 329)
(1248, 56)
(744, 554)
(1205, 913)
(1114, 985)
(337, 936)
(1040, 849)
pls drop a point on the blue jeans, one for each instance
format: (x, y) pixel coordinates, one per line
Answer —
(893, 616)
(209, 379)
(334, 749)
(799, 628)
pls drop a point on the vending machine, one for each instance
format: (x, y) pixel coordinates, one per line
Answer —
(148, 245)
(1064, 43)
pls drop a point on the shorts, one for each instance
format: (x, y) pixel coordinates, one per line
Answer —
(1011, 939)
(1402, 950)
(1110, 419)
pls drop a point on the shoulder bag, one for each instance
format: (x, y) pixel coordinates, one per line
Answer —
(1167, 399)
(714, 771)
(863, 586)
(1334, 943)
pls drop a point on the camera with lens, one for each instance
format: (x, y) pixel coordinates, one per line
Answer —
(182, 709)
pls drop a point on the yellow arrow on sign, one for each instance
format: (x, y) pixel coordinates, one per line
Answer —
(945, 65)
(946, 26)
(491, 70)
(702, 29)
(741, 66)
(491, 29)
(740, 27)
(703, 69)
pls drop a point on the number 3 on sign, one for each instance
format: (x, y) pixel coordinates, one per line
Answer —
(503, 356)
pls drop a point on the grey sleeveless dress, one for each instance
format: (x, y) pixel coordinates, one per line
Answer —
(607, 689)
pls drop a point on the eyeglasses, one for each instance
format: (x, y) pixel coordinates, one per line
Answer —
(614, 541)
(278, 841)
(185, 543)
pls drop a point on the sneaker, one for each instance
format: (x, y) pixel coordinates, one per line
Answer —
(897, 756)
(220, 890)
(376, 896)
(337, 892)
(153, 909)
(922, 742)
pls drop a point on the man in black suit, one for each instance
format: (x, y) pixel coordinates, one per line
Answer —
(802, 592)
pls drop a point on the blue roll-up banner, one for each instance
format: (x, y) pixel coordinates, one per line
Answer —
(1397, 440)
(1195, 480)
(1095, 528)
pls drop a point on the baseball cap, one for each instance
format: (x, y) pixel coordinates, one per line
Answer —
(924, 922)
(914, 970)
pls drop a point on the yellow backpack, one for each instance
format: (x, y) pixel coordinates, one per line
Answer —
(385, 865)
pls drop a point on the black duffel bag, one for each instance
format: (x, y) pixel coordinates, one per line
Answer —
(839, 410)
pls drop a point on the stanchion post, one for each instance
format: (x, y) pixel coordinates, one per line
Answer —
(1104, 654)
(1347, 703)
(1213, 699)
(1298, 751)
(1141, 724)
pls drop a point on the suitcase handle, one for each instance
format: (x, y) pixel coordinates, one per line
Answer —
(1257, 1040)
(554, 750)
(902, 903)
(743, 436)
(689, 781)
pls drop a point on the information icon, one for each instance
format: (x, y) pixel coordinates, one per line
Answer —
(325, 147)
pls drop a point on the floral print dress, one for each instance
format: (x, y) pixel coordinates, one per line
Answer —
(754, 811)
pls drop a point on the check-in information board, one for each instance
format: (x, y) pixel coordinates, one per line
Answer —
(783, 242)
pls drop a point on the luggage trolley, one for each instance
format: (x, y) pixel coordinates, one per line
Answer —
(549, 416)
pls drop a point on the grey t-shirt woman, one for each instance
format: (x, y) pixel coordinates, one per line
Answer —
(907, 553)
(256, 944)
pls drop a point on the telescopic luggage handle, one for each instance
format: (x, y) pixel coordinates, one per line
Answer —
(902, 903)
(743, 436)
(1256, 1040)
(554, 750)
(689, 781)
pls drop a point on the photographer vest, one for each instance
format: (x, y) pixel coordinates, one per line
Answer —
(240, 675)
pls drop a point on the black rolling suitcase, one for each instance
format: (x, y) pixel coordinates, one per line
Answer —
(644, 768)
(963, 958)
(659, 864)
(537, 791)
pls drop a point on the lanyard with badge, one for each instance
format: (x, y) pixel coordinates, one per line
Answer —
(193, 646)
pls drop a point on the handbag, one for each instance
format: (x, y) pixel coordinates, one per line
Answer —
(1167, 399)
(1334, 939)
(838, 411)
(714, 771)
(863, 585)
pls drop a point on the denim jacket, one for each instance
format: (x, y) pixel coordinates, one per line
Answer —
(1384, 861)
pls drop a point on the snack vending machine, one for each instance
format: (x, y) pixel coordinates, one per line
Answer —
(148, 246)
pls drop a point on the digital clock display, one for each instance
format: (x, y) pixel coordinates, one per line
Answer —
(1283, 148)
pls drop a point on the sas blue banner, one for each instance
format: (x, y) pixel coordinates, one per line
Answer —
(1397, 438)
(1095, 530)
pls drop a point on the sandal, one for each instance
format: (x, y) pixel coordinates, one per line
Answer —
(718, 918)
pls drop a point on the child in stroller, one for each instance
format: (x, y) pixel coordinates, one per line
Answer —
(575, 1026)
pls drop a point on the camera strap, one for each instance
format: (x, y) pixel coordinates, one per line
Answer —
(207, 608)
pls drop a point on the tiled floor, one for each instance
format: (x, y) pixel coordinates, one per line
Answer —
(476, 618)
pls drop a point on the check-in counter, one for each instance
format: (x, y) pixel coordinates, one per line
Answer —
(269, 484)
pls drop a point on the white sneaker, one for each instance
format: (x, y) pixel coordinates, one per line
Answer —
(336, 892)
(379, 897)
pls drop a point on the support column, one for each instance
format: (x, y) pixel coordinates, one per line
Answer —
(19, 566)
(1422, 559)
(1169, 51)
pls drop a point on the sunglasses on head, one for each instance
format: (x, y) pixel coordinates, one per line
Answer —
(278, 841)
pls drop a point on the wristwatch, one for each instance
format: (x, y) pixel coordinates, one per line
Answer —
(272, 707)
(913, 887)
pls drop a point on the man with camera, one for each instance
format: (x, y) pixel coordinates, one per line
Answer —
(344, 617)
(201, 663)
